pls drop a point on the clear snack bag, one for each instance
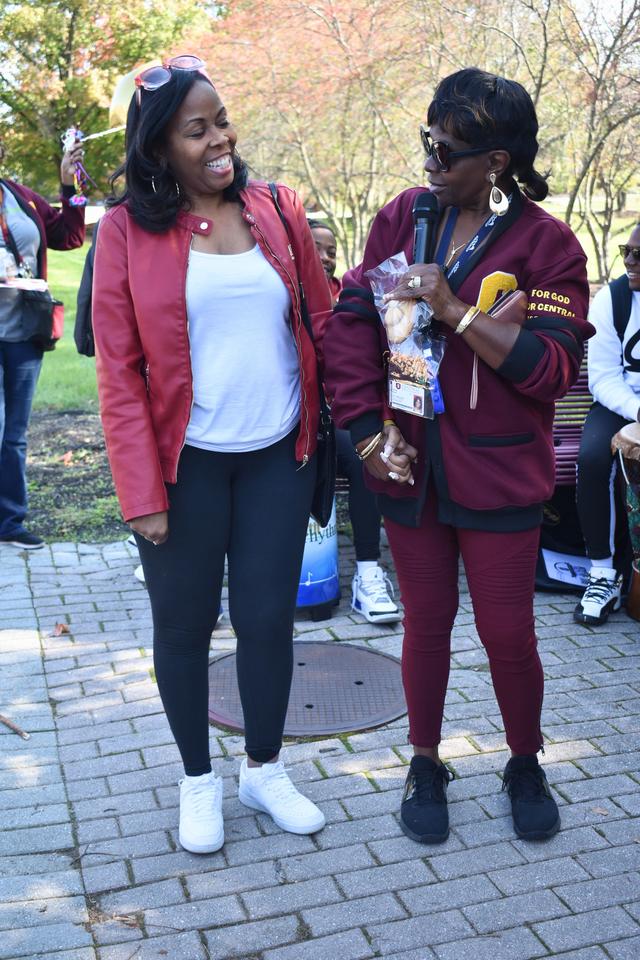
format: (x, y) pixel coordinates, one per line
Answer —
(415, 352)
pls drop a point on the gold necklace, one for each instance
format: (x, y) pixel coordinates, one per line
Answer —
(454, 250)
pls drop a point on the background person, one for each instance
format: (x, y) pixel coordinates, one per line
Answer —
(371, 589)
(614, 381)
(481, 471)
(209, 400)
(31, 224)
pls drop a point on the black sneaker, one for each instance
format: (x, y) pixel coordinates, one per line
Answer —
(24, 540)
(423, 813)
(535, 812)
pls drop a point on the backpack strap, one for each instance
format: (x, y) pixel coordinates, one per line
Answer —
(621, 303)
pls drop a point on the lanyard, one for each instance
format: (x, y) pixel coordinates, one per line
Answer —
(470, 248)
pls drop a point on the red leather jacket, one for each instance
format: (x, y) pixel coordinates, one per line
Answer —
(142, 340)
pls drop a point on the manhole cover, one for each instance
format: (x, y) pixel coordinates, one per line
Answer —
(336, 688)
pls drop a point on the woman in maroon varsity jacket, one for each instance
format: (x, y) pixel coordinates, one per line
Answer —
(472, 480)
(28, 226)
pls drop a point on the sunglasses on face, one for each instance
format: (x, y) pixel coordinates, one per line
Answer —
(626, 251)
(442, 153)
(155, 77)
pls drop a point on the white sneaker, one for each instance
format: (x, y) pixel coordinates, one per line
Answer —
(139, 573)
(201, 824)
(269, 789)
(601, 597)
(372, 596)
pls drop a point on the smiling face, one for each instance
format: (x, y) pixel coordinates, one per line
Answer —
(631, 265)
(200, 142)
(326, 246)
(466, 183)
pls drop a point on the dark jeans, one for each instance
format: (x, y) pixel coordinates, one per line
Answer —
(363, 509)
(595, 486)
(500, 570)
(252, 508)
(19, 370)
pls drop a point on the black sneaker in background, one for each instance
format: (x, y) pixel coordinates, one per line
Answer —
(24, 540)
(423, 813)
(535, 812)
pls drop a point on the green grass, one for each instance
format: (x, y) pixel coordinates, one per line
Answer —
(67, 381)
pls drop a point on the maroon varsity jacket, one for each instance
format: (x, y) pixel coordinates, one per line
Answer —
(59, 229)
(492, 466)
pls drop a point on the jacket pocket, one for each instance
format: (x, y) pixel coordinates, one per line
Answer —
(503, 440)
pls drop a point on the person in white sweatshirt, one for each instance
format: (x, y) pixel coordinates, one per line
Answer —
(614, 381)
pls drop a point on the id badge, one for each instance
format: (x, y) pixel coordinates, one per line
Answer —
(410, 397)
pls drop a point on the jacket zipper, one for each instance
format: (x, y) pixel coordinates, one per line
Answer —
(186, 321)
(298, 341)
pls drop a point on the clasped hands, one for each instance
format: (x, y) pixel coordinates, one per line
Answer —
(392, 457)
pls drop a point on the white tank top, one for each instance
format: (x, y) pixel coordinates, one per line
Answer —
(246, 380)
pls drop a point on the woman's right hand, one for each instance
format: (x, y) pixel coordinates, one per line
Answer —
(392, 457)
(154, 527)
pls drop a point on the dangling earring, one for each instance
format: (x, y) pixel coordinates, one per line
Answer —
(153, 184)
(498, 201)
(177, 190)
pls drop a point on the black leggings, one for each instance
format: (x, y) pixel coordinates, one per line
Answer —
(595, 489)
(252, 508)
(363, 509)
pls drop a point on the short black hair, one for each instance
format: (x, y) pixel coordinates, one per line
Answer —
(151, 193)
(483, 109)
(320, 225)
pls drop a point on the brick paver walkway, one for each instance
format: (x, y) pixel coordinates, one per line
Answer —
(91, 868)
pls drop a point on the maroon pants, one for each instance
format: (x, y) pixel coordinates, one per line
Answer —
(500, 570)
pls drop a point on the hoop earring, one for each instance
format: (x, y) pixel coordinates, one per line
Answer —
(498, 201)
(153, 184)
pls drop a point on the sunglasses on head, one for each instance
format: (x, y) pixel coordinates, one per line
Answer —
(155, 77)
(625, 251)
(442, 153)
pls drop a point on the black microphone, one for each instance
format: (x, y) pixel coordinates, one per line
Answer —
(425, 218)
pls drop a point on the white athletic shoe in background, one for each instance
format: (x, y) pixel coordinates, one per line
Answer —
(372, 596)
(602, 596)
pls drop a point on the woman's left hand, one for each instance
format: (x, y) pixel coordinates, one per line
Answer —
(68, 165)
(433, 289)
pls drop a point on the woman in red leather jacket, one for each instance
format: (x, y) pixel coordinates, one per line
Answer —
(209, 400)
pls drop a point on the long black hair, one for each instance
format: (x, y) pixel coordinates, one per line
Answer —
(483, 109)
(151, 193)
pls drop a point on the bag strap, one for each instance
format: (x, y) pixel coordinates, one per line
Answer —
(304, 311)
(621, 303)
(8, 237)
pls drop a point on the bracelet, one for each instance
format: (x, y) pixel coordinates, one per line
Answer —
(468, 318)
(389, 423)
(370, 447)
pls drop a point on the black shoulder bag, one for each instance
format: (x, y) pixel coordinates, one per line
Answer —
(326, 454)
